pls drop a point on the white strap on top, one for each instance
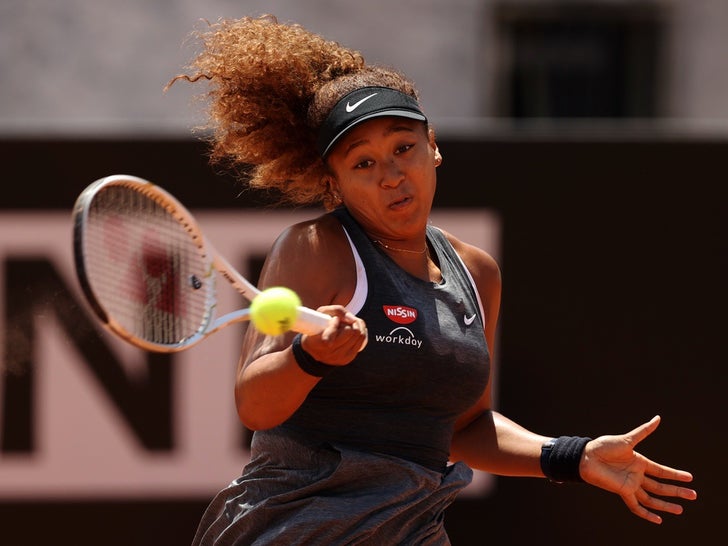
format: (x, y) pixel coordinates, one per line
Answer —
(362, 287)
(475, 289)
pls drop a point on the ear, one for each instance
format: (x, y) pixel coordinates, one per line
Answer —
(332, 188)
(433, 144)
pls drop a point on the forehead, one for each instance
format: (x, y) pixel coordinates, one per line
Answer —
(379, 128)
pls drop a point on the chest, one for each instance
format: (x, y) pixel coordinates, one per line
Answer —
(426, 347)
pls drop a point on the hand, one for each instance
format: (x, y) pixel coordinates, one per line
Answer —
(340, 341)
(611, 463)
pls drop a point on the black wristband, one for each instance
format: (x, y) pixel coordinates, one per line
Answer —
(560, 458)
(308, 363)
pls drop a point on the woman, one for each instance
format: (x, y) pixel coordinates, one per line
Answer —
(366, 432)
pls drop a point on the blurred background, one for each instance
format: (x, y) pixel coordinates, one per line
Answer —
(584, 145)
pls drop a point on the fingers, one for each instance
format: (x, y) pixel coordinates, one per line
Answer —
(667, 473)
(639, 506)
(644, 505)
(341, 340)
(363, 329)
(643, 431)
(656, 503)
(360, 326)
(668, 489)
(649, 498)
(351, 327)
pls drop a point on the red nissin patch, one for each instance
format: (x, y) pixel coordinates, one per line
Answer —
(400, 314)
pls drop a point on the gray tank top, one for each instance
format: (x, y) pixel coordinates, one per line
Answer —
(426, 362)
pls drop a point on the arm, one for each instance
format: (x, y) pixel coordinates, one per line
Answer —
(488, 441)
(270, 386)
(484, 438)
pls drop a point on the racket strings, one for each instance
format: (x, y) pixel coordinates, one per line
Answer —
(146, 267)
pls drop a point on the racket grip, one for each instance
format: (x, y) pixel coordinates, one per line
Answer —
(310, 322)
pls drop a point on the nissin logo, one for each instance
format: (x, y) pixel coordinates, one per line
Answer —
(400, 314)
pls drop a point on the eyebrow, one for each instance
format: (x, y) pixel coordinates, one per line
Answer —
(390, 130)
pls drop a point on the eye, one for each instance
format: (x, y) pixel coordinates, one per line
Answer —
(364, 164)
(404, 148)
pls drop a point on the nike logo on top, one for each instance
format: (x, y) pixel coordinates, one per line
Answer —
(351, 107)
(468, 320)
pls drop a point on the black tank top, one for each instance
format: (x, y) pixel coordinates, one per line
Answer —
(426, 362)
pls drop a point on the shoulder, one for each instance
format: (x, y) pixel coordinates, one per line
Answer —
(487, 277)
(482, 266)
(311, 257)
(321, 237)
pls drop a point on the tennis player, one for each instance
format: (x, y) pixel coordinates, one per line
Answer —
(371, 447)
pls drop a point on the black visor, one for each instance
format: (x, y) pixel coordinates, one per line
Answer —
(361, 105)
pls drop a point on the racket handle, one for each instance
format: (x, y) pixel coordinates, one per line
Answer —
(310, 322)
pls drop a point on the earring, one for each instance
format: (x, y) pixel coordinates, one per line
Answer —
(438, 160)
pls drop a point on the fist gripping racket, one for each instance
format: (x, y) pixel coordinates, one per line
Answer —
(147, 270)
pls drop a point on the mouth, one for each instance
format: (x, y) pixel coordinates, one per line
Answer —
(400, 202)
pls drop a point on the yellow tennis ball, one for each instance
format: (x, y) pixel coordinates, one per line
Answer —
(274, 310)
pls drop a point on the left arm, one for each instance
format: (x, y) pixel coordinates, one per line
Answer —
(486, 440)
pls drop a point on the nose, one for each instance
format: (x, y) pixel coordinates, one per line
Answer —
(392, 174)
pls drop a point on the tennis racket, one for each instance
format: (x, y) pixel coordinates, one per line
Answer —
(147, 270)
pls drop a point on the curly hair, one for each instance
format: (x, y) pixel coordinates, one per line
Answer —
(271, 87)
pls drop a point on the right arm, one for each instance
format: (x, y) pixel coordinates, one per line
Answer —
(310, 259)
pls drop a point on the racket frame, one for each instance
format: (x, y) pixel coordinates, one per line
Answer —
(308, 321)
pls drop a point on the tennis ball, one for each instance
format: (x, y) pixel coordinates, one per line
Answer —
(274, 310)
